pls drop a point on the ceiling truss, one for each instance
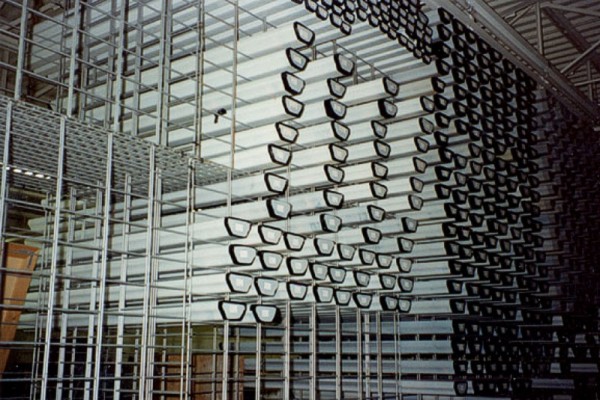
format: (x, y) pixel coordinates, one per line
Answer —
(561, 31)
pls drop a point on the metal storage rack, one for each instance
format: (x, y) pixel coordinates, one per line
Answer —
(106, 184)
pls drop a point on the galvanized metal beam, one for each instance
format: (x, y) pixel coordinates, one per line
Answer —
(515, 9)
(571, 33)
(577, 10)
(581, 58)
(519, 15)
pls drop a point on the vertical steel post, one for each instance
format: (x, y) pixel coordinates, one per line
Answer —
(4, 174)
(199, 89)
(367, 357)
(84, 16)
(54, 260)
(163, 360)
(77, 15)
(151, 344)
(64, 320)
(314, 352)
(234, 69)
(236, 364)
(118, 94)
(213, 373)
(122, 289)
(137, 75)
(4, 57)
(93, 295)
(379, 356)
(145, 360)
(397, 360)
(135, 378)
(225, 362)
(4, 181)
(257, 370)
(110, 102)
(288, 316)
(21, 50)
(161, 134)
(224, 388)
(287, 350)
(338, 353)
(38, 327)
(359, 355)
(186, 327)
(63, 62)
(539, 28)
(73, 360)
(103, 264)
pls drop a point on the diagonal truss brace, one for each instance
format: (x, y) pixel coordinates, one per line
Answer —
(571, 33)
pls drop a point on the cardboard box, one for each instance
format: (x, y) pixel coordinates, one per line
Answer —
(20, 260)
